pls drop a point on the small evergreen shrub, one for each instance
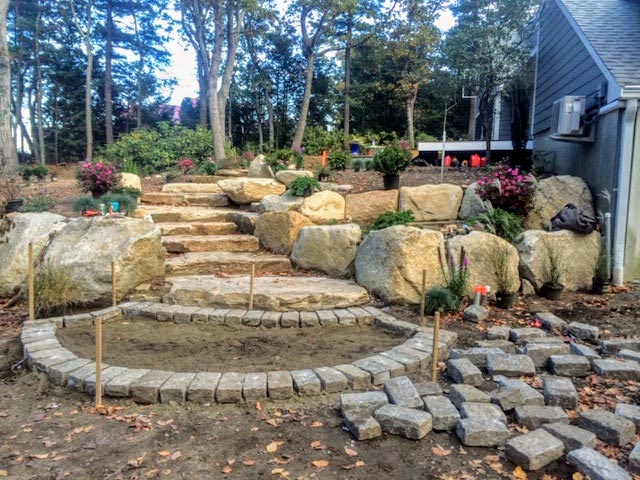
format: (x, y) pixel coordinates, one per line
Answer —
(501, 223)
(82, 204)
(339, 160)
(439, 299)
(127, 202)
(39, 204)
(300, 184)
(389, 219)
(38, 171)
(55, 290)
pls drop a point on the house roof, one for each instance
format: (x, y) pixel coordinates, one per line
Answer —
(613, 29)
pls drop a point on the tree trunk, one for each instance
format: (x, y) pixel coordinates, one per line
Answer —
(87, 100)
(271, 142)
(306, 99)
(8, 155)
(139, 71)
(203, 100)
(347, 83)
(39, 92)
(217, 120)
(486, 117)
(108, 79)
(411, 104)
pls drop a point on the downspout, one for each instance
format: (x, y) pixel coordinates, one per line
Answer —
(622, 198)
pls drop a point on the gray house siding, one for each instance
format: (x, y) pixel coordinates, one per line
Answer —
(504, 133)
(564, 66)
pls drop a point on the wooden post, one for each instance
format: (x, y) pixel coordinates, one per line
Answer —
(422, 295)
(31, 286)
(114, 291)
(253, 274)
(436, 342)
(98, 363)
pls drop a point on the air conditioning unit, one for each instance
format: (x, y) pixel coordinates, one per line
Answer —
(567, 116)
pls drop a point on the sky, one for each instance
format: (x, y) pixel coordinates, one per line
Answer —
(183, 62)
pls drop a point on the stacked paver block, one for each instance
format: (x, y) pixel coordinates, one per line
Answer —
(617, 369)
(584, 331)
(306, 382)
(534, 450)
(357, 379)
(534, 416)
(573, 437)
(460, 393)
(508, 398)
(519, 335)
(595, 465)
(550, 321)
(402, 392)
(531, 395)
(254, 386)
(510, 365)
(445, 414)
(461, 370)
(476, 355)
(505, 346)
(613, 345)
(569, 365)
(481, 410)
(560, 391)
(357, 411)
(407, 422)
(608, 426)
(584, 350)
(486, 432)
(541, 352)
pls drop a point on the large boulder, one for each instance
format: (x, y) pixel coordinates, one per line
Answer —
(259, 168)
(364, 208)
(577, 256)
(431, 202)
(86, 247)
(245, 191)
(323, 207)
(288, 176)
(484, 251)
(552, 194)
(37, 228)
(472, 204)
(389, 262)
(328, 248)
(280, 203)
(277, 231)
(130, 180)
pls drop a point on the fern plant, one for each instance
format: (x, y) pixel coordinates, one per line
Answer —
(302, 186)
(389, 219)
(501, 223)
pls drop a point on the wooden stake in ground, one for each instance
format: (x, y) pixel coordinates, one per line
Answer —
(98, 363)
(114, 291)
(253, 274)
(436, 343)
(31, 286)
(423, 292)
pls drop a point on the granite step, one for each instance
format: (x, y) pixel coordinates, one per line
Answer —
(194, 199)
(169, 213)
(210, 263)
(191, 187)
(198, 228)
(210, 243)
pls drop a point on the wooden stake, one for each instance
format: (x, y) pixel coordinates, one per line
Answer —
(114, 291)
(436, 342)
(423, 293)
(98, 363)
(253, 274)
(31, 286)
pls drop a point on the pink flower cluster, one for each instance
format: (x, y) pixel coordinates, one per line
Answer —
(185, 164)
(98, 178)
(507, 188)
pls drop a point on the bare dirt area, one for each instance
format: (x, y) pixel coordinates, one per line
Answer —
(48, 432)
(139, 343)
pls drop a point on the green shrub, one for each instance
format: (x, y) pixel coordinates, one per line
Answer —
(316, 139)
(439, 299)
(456, 275)
(501, 223)
(389, 219)
(339, 160)
(357, 164)
(208, 167)
(55, 290)
(38, 204)
(279, 159)
(82, 204)
(131, 191)
(323, 173)
(300, 184)
(393, 159)
(127, 202)
(39, 171)
(368, 165)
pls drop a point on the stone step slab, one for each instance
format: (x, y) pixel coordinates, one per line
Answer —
(569, 365)
(203, 387)
(482, 410)
(487, 432)
(364, 402)
(210, 243)
(191, 187)
(560, 391)
(171, 214)
(461, 370)
(402, 392)
(534, 450)
(617, 369)
(175, 388)
(607, 426)
(209, 263)
(445, 415)
(584, 331)
(571, 436)
(406, 422)
(510, 365)
(193, 199)
(147, 389)
(535, 416)
(460, 393)
(595, 465)
(629, 355)
(306, 382)
(198, 228)
(498, 333)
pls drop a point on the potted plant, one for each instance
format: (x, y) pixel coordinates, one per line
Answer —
(600, 281)
(505, 276)
(304, 186)
(552, 287)
(10, 190)
(392, 160)
(324, 173)
(357, 165)
(97, 178)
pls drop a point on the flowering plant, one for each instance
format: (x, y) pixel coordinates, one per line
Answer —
(185, 164)
(456, 274)
(507, 188)
(97, 178)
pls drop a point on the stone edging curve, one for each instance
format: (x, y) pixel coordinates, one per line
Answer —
(43, 352)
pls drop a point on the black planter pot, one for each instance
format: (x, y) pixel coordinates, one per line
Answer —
(13, 205)
(506, 299)
(307, 192)
(391, 182)
(600, 286)
(550, 291)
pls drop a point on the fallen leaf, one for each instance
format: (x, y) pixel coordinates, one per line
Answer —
(249, 463)
(318, 445)
(272, 447)
(320, 463)
(273, 422)
(317, 424)
(440, 452)
(281, 460)
(231, 461)
(277, 471)
(39, 456)
(350, 452)
(519, 474)
(137, 462)
(577, 476)
(176, 456)
(258, 406)
(350, 466)
(4, 473)
(254, 429)
(164, 453)
(227, 469)
(151, 473)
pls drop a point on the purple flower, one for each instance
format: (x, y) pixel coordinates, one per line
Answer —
(465, 261)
